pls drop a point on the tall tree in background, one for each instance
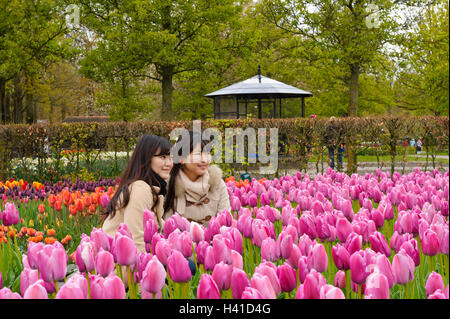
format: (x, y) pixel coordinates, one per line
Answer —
(31, 37)
(155, 39)
(351, 34)
(423, 85)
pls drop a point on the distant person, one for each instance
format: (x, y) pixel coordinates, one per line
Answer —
(333, 139)
(418, 146)
(412, 143)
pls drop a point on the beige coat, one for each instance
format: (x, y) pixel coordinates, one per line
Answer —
(200, 200)
(140, 199)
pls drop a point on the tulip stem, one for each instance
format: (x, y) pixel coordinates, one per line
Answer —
(430, 265)
(406, 291)
(56, 286)
(360, 291)
(348, 286)
(130, 284)
(446, 269)
(195, 257)
(89, 285)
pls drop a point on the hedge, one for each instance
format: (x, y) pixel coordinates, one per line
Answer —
(302, 138)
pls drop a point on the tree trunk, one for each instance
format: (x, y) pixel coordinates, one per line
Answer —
(352, 164)
(29, 108)
(18, 101)
(167, 92)
(2, 100)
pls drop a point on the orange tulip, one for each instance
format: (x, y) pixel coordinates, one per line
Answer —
(92, 209)
(31, 232)
(51, 200)
(11, 233)
(2, 234)
(73, 210)
(87, 200)
(79, 205)
(41, 208)
(49, 240)
(94, 198)
(58, 205)
(51, 232)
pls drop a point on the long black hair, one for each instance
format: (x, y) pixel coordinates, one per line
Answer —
(169, 201)
(139, 168)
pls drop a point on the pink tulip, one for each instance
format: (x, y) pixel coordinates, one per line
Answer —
(10, 215)
(235, 203)
(251, 293)
(311, 287)
(437, 295)
(36, 291)
(6, 293)
(260, 231)
(383, 266)
(150, 228)
(377, 286)
(104, 263)
(85, 255)
(210, 259)
(378, 217)
(101, 239)
(284, 245)
(155, 239)
(358, 267)
(114, 288)
(270, 270)
(75, 288)
(169, 226)
(200, 251)
(197, 232)
(163, 251)
(239, 282)
(403, 268)
(446, 292)
(305, 244)
(287, 277)
(303, 269)
(262, 284)
(185, 244)
(412, 249)
(379, 244)
(245, 225)
(269, 249)
(343, 229)
(52, 263)
(222, 275)
(317, 258)
(97, 287)
(237, 260)
(104, 201)
(153, 277)
(1, 280)
(222, 251)
(341, 257)
(330, 292)
(430, 243)
(27, 277)
(178, 267)
(295, 255)
(347, 209)
(33, 250)
(353, 243)
(434, 282)
(339, 279)
(252, 200)
(307, 226)
(207, 288)
(126, 251)
(235, 238)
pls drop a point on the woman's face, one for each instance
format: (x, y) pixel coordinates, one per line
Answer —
(197, 163)
(162, 165)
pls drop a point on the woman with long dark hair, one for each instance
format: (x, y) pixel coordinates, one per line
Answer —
(142, 186)
(196, 189)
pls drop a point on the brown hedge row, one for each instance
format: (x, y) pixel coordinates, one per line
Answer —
(302, 137)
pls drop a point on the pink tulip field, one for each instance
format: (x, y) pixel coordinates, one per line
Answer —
(333, 237)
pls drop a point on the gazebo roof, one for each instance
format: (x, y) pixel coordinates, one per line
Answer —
(254, 88)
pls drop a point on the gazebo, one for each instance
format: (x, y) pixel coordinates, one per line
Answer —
(245, 99)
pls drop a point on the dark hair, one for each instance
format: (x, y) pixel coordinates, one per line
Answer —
(139, 168)
(169, 201)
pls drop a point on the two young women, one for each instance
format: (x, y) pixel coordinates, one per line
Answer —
(193, 187)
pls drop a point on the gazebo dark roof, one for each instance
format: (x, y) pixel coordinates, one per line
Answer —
(260, 86)
(258, 89)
